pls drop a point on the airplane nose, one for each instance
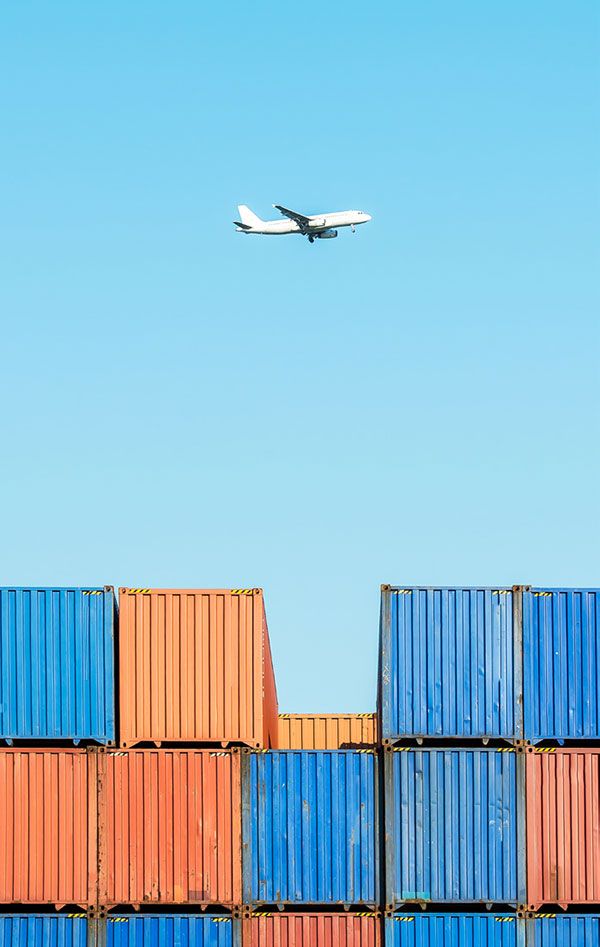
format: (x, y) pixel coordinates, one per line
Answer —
(368, 217)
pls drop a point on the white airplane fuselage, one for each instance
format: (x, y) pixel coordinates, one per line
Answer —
(316, 225)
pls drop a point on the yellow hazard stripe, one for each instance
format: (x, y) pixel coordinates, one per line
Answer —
(507, 920)
(542, 594)
(243, 591)
(501, 591)
(365, 715)
(138, 591)
(76, 915)
(545, 749)
(261, 914)
(117, 920)
(402, 749)
(545, 915)
(405, 918)
(401, 591)
(92, 592)
(364, 751)
(506, 749)
(221, 920)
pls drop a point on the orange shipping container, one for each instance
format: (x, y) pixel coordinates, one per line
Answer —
(48, 849)
(195, 666)
(563, 827)
(169, 827)
(326, 731)
(311, 930)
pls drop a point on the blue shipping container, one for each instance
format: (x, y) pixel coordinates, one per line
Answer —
(568, 930)
(310, 827)
(454, 826)
(57, 664)
(455, 930)
(450, 663)
(561, 642)
(43, 930)
(168, 930)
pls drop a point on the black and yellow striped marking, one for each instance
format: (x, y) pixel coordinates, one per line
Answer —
(221, 920)
(365, 716)
(544, 915)
(542, 594)
(365, 914)
(138, 591)
(501, 591)
(243, 591)
(402, 591)
(118, 920)
(92, 592)
(364, 751)
(545, 749)
(505, 920)
(506, 749)
(402, 749)
(76, 915)
(404, 917)
(262, 914)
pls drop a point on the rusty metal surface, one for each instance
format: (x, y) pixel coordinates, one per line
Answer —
(170, 827)
(563, 827)
(47, 827)
(326, 731)
(195, 666)
(311, 930)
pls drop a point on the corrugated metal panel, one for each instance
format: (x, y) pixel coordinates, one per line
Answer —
(43, 930)
(447, 663)
(312, 930)
(195, 666)
(168, 930)
(455, 930)
(326, 731)
(454, 826)
(47, 827)
(568, 930)
(561, 641)
(310, 827)
(170, 827)
(57, 664)
(563, 827)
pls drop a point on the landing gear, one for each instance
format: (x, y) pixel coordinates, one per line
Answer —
(352, 228)
(311, 239)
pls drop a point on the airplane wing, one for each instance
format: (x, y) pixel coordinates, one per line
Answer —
(302, 221)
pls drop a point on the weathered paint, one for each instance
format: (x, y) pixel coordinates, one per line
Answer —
(563, 827)
(310, 827)
(48, 851)
(170, 827)
(454, 930)
(312, 930)
(43, 930)
(454, 826)
(195, 667)
(561, 642)
(57, 664)
(326, 731)
(167, 930)
(567, 930)
(450, 663)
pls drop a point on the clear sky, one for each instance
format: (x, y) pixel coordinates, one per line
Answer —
(415, 403)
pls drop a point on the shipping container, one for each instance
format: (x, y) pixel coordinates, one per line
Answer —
(310, 827)
(43, 930)
(454, 930)
(48, 852)
(169, 827)
(454, 826)
(563, 827)
(195, 667)
(312, 930)
(561, 642)
(450, 663)
(326, 731)
(57, 664)
(567, 930)
(167, 930)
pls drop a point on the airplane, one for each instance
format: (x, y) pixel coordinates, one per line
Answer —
(317, 227)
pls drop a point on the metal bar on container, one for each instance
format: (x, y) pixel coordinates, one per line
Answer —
(57, 664)
(195, 667)
(452, 826)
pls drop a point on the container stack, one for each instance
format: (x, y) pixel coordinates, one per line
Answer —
(486, 808)
(150, 794)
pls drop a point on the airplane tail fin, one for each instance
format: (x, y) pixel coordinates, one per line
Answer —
(248, 218)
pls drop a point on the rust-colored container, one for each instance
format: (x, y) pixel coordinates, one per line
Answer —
(326, 731)
(311, 930)
(195, 666)
(48, 849)
(169, 827)
(563, 827)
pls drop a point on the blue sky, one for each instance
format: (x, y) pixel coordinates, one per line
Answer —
(415, 403)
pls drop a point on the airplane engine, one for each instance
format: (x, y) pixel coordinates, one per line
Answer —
(327, 235)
